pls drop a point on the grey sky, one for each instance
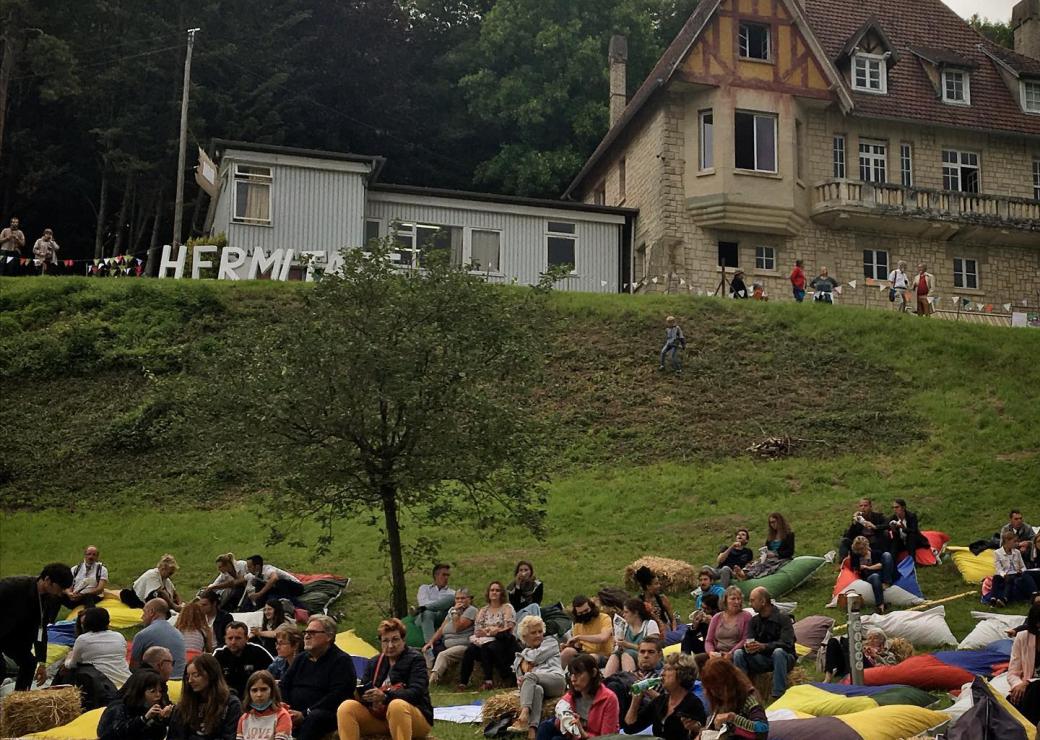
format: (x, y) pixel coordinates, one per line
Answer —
(995, 10)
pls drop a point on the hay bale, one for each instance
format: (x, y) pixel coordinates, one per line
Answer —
(24, 712)
(763, 683)
(509, 702)
(675, 575)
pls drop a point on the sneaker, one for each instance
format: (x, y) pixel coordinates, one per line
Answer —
(830, 556)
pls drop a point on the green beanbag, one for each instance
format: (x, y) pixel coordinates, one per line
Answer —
(414, 638)
(790, 576)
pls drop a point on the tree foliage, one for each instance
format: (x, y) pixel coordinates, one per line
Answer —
(406, 396)
(999, 32)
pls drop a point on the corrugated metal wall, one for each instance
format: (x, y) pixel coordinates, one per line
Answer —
(311, 209)
(523, 242)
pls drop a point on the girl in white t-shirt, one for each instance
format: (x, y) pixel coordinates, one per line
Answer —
(263, 716)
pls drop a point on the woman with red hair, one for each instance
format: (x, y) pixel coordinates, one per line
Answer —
(733, 701)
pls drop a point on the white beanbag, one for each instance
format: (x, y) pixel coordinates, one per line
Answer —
(964, 701)
(894, 595)
(991, 627)
(926, 628)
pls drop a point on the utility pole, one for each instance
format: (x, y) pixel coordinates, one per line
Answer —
(178, 209)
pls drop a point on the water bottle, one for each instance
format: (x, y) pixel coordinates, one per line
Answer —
(646, 684)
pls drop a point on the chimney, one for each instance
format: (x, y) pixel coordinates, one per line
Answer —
(1025, 24)
(618, 83)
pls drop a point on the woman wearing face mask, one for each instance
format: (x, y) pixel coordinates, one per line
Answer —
(265, 718)
(207, 709)
(138, 713)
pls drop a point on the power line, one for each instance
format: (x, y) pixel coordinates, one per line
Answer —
(102, 63)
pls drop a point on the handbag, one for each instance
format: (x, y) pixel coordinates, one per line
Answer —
(379, 710)
(892, 295)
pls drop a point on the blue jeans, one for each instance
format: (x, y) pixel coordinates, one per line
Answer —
(874, 579)
(799, 295)
(673, 350)
(547, 730)
(780, 663)
(888, 567)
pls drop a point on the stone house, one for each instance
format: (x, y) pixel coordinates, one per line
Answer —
(847, 134)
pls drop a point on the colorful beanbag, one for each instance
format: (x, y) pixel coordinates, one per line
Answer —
(881, 723)
(790, 576)
(984, 662)
(84, 727)
(120, 616)
(812, 632)
(921, 671)
(926, 628)
(904, 591)
(991, 627)
(819, 703)
(936, 544)
(359, 650)
(883, 695)
(973, 568)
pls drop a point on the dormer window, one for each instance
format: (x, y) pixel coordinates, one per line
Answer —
(1031, 96)
(869, 73)
(754, 41)
(955, 87)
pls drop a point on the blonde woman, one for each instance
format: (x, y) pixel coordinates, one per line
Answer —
(154, 584)
(862, 564)
(539, 674)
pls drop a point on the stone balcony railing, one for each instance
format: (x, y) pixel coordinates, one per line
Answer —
(965, 213)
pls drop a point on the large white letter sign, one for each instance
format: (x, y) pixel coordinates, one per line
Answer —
(261, 263)
(228, 266)
(177, 264)
(286, 266)
(197, 263)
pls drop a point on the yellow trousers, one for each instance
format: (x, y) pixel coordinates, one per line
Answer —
(403, 721)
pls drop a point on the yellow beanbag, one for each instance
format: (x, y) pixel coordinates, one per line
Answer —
(120, 616)
(973, 568)
(819, 703)
(56, 653)
(84, 727)
(351, 644)
(173, 688)
(893, 722)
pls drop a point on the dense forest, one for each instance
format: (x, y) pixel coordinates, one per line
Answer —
(500, 95)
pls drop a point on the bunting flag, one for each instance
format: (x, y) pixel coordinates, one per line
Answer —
(602, 283)
(837, 289)
(682, 281)
(1007, 307)
(68, 263)
(871, 281)
(1025, 301)
(139, 268)
(852, 284)
(23, 261)
(653, 280)
(966, 302)
(9, 258)
(988, 308)
(139, 261)
(882, 288)
(956, 298)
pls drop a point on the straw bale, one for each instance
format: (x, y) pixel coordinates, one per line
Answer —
(675, 575)
(763, 682)
(509, 701)
(24, 712)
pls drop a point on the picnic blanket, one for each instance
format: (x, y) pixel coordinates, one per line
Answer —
(319, 591)
(120, 616)
(904, 591)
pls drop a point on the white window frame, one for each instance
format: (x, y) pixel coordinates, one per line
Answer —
(867, 62)
(467, 249)
(873, 159)
(956, 168)
(573, 236)
(706, 156)
(874, 268)
(1024, 86)
(754, 127)
(381, 224)
(765, 258)
(744, 43)
(839, 156)
(259, 180)
(402, 228)
(906, 165)
(948, 77)
(622, 184)
(1036, 179)
(961, 282)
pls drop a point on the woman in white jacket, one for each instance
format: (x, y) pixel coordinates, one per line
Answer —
(539, 673)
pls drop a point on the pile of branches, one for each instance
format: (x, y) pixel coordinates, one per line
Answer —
(773, 448)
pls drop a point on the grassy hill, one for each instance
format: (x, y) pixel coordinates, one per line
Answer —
(100, 445)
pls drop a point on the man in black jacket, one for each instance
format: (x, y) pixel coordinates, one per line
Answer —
(29, 605)
(239, 658)
(874, 526)
(318, 681)
(219, 619)
(770, 644)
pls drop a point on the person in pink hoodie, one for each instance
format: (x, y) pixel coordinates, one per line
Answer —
(1024, 671)
(588, 709)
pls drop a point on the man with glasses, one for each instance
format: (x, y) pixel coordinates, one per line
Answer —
(320, 679)
(158, 659)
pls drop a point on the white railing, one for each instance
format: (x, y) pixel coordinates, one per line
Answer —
(978, 207)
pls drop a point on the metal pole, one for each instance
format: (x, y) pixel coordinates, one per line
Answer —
(855, 640)
(178, 208)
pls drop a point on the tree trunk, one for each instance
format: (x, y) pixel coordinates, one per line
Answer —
(399, 599)
(99, 233)
(124, 209)
(151, 267)
(6, 69)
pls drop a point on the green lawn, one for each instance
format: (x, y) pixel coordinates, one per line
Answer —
(943, 414)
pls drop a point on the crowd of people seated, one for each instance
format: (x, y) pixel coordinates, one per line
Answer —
(608, 672)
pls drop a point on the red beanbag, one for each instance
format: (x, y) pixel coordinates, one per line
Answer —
(920, 671)
(936, 541)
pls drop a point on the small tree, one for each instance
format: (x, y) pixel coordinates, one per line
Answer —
(397, 391)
